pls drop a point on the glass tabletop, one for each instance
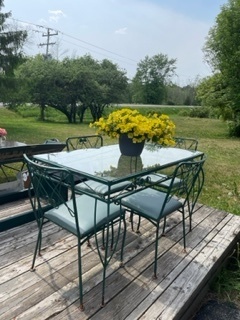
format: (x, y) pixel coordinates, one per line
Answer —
(107, 161)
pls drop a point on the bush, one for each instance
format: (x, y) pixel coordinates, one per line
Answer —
(200, 112)
(234, 129)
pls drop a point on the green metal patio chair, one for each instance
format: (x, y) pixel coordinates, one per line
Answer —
(182, 143)
(155, 205)
(83, 216)
(186, 143)
(51, 141)
(163, 180)
(93, 141)
(84, 142)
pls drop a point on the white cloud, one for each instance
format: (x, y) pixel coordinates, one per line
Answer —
(121, 31)
(55, 15)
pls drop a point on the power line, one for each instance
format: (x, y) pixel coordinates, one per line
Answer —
(75, 38)
(129, 63)
(98, 47)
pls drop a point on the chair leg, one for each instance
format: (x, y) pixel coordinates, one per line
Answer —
(184, 232)
(190, 221)
(38, 244)
(106, 259)
(80, 276)
(123, 240)
(138, 225)
(105, 263)
(112, 231)
(103, 239)
(164, 226)
(190, 208)
(131, 221)
(156, 253)
(103, 286)
(89, 243)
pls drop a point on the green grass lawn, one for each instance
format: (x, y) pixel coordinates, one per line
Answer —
(222, 168)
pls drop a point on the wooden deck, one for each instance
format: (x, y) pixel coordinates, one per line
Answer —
(51, 292)
(15, 213)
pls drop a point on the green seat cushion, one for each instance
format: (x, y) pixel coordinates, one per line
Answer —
(100, 188)
(86, 207)
(157, 177)
(149, 203)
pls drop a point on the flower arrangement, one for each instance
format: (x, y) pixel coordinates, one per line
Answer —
(3, 132)
(153, 127)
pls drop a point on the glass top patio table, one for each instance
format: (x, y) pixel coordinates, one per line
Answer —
(101, 163)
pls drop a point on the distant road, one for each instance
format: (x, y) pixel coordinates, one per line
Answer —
(132, 105)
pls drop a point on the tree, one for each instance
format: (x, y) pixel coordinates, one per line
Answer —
(70, 86)
(152, 76)
(48, 82)
(177, 95)
(94, 85)
(223, 54)
(112, 84)
(212, 92)
(11, 43)
(36, 82)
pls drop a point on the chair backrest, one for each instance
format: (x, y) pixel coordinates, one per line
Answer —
(84, 142)
(186, 143)
(50, 185)
(190, 179)
(51, 140)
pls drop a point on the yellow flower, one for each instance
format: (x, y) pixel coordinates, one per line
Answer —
(153, 127)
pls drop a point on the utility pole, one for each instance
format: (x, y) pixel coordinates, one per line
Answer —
(48, 35)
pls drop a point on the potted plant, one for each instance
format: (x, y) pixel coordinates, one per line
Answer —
(133, 129)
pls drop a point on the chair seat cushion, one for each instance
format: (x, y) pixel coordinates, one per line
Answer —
(162, 180)
(86, 207)
(100, 188)
(149, 202)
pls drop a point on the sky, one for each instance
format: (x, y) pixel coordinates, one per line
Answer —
(123, 31)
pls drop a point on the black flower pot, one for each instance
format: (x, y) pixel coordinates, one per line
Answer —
(128, 147)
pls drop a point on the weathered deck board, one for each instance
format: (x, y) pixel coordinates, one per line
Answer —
(52, 290)
(8, 210)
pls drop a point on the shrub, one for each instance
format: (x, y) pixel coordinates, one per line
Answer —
(234, 129)
(200, 112)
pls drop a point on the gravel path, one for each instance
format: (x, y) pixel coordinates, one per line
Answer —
(214, 310)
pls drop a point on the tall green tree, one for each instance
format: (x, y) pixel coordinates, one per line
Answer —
(212, 92)
(37, 79)
(112, 84)
(152, 76)
(52, 83)
(222, 52)
(11, 54)
(70, 86)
